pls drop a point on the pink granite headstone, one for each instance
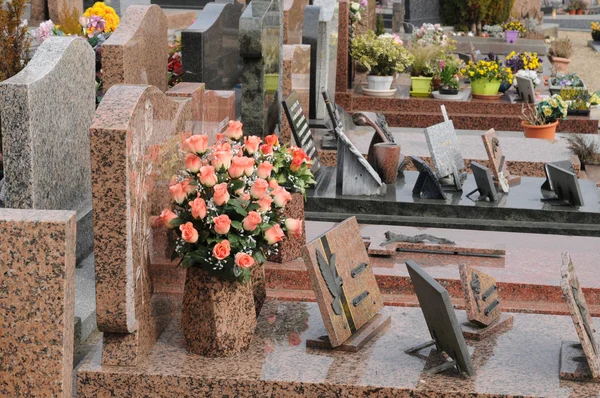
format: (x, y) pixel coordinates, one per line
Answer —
(293, 20)
(296, 77)
(137, 52)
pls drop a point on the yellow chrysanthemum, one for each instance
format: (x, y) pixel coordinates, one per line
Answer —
(105, 12)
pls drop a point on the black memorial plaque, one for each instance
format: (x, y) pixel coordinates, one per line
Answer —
(485, 183)
(565, 185)
(427, 185)
(564, 164)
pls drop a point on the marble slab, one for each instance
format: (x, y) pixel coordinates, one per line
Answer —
(37, 302)
(211, 48)
(278, 363)
(137, 51)
(296, 77)
(45, 112)
(444, 149)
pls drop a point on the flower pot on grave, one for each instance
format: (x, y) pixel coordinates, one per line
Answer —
(387, 160)
(259, 286)
(218, 317)
(571, 12)
(504, 86)
(380, 82)
(596, 35)
(271, 82)
(449, 91)
(561, 64)
(546, 131)
(485, 87)
(436, 84)
(291, 248)
(511, 36)
(420, 86)
(579, 12)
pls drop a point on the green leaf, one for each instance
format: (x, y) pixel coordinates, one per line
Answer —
(237, 225)
(259, 257)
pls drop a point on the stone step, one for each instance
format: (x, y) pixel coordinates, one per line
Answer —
(85, 299)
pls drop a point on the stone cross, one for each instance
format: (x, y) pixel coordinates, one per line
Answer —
(45, 112)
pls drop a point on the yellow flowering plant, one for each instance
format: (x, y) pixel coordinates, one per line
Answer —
(546, 112)
(523, 61)
(488, 70)
(595, 26)
(107, 13)
(515, 25)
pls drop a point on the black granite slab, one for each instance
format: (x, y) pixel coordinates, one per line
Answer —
(521, 210)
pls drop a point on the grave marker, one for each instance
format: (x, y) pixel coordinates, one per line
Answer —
(45, 113)
(300, 130)
(296, 77)
(444, 149)
(497, 160)
(345, 286)
(293, 20)
(484, 182)
(427, 185)
(526, 89)
(37, 302)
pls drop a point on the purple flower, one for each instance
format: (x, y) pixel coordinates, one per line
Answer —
(95, 24)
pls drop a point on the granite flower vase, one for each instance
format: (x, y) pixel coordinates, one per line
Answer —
(511, 36)
(218, 315)
(291, 248)
(545, 131)
(259, 288)
(485, 87)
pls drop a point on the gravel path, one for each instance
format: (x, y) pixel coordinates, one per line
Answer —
(584, 61)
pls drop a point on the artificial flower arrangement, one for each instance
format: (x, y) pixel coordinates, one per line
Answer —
(381, 55)
(546, 111)
(429, 34)
(523, 61)
(515, 26)
(449, 75)
(527, 74)
(578, 101)
(595, 31)
(227, 206)
(356, 10)
(487, 70)
(174, 65)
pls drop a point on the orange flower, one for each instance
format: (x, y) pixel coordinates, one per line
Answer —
(281, 197)
(222, 250)
(221, 195)
(166, 217)
(294, 227)
(197, 143)
(266, 149)
(207, 176)
(244, 260)
(188, 232)
(272, 140)
(198, 206)
(251, 144)
(251, 221)
(222, 160)
(265, 203)
(264, 170)
(274, 234)
(234, 130)
(259, 189)
(222, 224)
(192, 163)
(178, 193)
(296, 164)
(236, 170)
(249, 166)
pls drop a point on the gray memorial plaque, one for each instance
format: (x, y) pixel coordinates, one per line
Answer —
(443, 146)
(526, 89)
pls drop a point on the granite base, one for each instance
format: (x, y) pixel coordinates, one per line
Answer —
(472, 331)
(573, 365)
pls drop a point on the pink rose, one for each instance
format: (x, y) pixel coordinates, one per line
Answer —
(197, 143)
(274, 234)
(222, 160)
(244, 260)
(219, 137)
(265, 203)
(294, 227)
(234, 130)
(188, 232)
(266, 149)
(273, 183)
(251, 221)
(222, 224)
(236, 170)
(244, 196)
(259, 189)
(192, 163)
(178, 193)
(198, 208)
(272, 140)
(222, 250)
(264, 170)
(251, 144)
(166, 217)
(208, 178)
(223, 146)
(281, 197)
(221, 196)
(188, 187)
(249, 166)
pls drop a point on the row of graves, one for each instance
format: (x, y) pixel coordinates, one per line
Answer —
(419, 274)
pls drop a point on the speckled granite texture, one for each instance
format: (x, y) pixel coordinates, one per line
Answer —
(481, 293)
(293, 20)
(218, 317)
(46, 111)
(296, 77)
(291, 248)
(37, 302)
(56, 7)
(137, 52)
(134, 130)
(197, 92)
(219, 109)
(342, 71)
(278, 364)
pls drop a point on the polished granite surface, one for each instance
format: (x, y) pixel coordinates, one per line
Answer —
(521, 362)
(521, 210)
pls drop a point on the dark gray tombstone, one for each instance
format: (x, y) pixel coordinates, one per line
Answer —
(441, 320)
(261, 37)
(427, 185)
(300, 129)
(418, 12)
(526, 89)
(563, 164)
(485, 183)
(210, 47)
(565, 185)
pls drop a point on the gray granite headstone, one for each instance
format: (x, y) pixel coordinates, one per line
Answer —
(444, 150)
(320, 32)
(46, 111)
(398, 10)
(419, 12)
(211, 47)
(261, 38)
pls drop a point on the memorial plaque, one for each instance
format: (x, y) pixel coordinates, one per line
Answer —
(485, 183)
(526, 89)
(497, 161)
(565, 185)
(481, 296)
(332, 110)
(300, 129)
(427, 185)
(564, 164)
(580, 314)
(443, 146)
(343, 281)
(441, 320)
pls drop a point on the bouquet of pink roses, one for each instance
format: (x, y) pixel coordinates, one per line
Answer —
(227, 209)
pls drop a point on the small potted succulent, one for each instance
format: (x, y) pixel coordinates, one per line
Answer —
(541, 120)
(383, 56)
(595, 31)
(513, 30)
(560, 54)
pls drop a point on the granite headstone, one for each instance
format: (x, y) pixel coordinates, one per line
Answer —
(46, 111)
(481, 295)
(427, 185)
(210, 47)
(261, 36)
(526, 89)
(418, 12)
(296, 78)
(293, 20)
(444, 149)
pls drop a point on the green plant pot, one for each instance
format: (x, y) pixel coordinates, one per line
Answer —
(271, 81)
(420, 85)
(485, 87)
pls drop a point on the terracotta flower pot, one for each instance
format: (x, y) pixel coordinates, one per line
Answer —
(571, 12)
(561, 64)
(218, 317)
(546, 131)
(579, 12)
(291, 248)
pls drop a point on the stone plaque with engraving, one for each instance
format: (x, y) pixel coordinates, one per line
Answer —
(496, 159)
(300, 129)
(443, 146)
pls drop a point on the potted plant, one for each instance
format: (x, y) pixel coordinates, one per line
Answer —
(560, 54)
(595, 31)
(527, 74)
(383, 56)
(578, 101)
(572, 7)
(486, 77)
(560, 81)
(227, 220)
(540, 120)
(423, 68)
(513, 30)
(581, 7)
(449, 75)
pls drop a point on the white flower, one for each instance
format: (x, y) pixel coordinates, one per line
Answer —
(354, 6)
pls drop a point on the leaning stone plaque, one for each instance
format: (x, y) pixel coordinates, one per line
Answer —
(445, 153)
(578, 360)
(427, 185)
(441, 321)
(345, 287)
(526, 89)
(300, 129)
(484, 316)
(497, 161)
